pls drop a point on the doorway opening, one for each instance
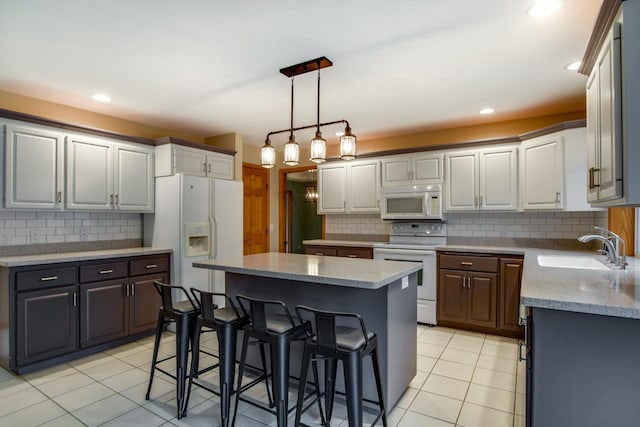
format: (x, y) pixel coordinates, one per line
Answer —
(298, 216)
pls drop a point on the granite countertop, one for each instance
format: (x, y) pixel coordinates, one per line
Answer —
(351, 243)
(351, 272)
(612, 292)
(26, 260)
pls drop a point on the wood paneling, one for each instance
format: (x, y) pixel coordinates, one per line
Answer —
(622, 221)
(256, 209)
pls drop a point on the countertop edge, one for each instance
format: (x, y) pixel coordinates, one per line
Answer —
(43, 259)
(346, 243)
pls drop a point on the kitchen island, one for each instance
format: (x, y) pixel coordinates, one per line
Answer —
(382, 292)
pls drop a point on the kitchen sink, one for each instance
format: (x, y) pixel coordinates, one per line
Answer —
(560, 261)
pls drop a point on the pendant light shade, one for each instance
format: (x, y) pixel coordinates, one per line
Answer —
(291, 152)
(318, 149)
(267, 155)
(348, 145)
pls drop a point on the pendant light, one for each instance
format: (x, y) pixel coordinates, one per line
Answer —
(318, 143)
(311, 192)
(291, 148)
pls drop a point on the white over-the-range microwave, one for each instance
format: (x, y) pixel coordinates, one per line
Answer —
(411, 202)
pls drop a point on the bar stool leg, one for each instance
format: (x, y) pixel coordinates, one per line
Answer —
(266, 376)
(376, 372)
(227, 367)
(306, 360)
(318, 394)
(330, 368)
(183, 335)
(280, 362)
(159, 328)
(353, 387)
(243, 358)
(195, 353)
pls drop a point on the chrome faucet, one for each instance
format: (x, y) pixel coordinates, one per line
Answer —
(612, 244)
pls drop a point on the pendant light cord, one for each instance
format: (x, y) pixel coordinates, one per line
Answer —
(318, 109)
(291, 128)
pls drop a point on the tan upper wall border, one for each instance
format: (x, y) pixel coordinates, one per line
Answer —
(572, 124)
(23, 117)
(606, 16)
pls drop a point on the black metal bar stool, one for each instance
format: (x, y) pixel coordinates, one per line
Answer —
(270, 322)
(184, 314)
(226, 322)
(350, 345)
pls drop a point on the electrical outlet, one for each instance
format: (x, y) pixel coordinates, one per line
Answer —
(35, 236)
(84, 234)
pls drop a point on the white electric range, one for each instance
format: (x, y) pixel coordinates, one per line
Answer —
(416, 242)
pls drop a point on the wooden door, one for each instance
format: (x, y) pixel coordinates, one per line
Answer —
(510, 278)
(452, 305)
(481, 299)
(256, 209)
(103, 315)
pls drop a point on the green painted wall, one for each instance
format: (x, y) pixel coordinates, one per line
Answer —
(307, 224)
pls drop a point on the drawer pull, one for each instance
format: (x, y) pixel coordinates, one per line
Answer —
(319, 253)
(466, 263)
(151, 266)
(48, 278)
(352, 256)
(513, 265)
(106, 271)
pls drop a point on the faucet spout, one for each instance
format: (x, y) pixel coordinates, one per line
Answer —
(611, 250)
(612, 245)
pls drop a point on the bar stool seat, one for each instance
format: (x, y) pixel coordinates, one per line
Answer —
(331, 343)
(226, 322)
(183, 313)
(270, 322)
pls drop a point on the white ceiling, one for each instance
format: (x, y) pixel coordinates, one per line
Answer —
(211, 67)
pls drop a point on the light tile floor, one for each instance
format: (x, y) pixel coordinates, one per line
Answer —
(464, 379)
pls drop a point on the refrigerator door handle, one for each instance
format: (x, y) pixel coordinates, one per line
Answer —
(214, 236)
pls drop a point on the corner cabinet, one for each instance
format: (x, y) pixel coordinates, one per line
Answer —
(482, 179)
(34, 167)
(425, 168)
(172, 159)
(105, 175)
(479, 292)
(349, 187)
(57, 312)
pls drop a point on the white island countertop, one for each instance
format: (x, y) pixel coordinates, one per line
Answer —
(351, 272)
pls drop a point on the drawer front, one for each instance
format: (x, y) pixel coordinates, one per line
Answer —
(469, 263)
(153, 265)
(30, 280)
(356, 252)
(103, 271)
(321, 250)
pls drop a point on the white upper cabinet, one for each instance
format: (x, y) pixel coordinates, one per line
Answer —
(107, 175)
(34, 167)
(133, 178)
(423, 168)
(172, 159)
(332, 188)
(542, 173)
(482, 179)
(349, 187)
(363, 187)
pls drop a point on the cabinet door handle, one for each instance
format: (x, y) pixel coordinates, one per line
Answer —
(209, 168)
(75, 299)
(204, 167)
(468, 282)
(126, 290)
(151, 266)
(133, 289)
(464, 282)
(557, 197)
(117, 195)
(469, 264)
(48, 278)
(475, 201)
(352, 256)
(59, 197)
(106, 271)
(592, 180)
(112, 199)
(520, 358)
(513, 265)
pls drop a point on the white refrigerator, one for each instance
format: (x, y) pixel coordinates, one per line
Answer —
(198, 218)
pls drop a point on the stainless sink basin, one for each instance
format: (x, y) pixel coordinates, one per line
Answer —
(560, 261)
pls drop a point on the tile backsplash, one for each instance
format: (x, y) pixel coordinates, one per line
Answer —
(536, 225)
(45, 227)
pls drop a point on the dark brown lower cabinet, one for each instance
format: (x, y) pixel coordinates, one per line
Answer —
(104, 315)
(510, 279)
(144, 303)
(47, 324)
(467, 298)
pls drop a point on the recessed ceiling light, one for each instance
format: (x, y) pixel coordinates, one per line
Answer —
(339, 133)
(101, 97)
(574, 66)
(543, 8)
(487, 110)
